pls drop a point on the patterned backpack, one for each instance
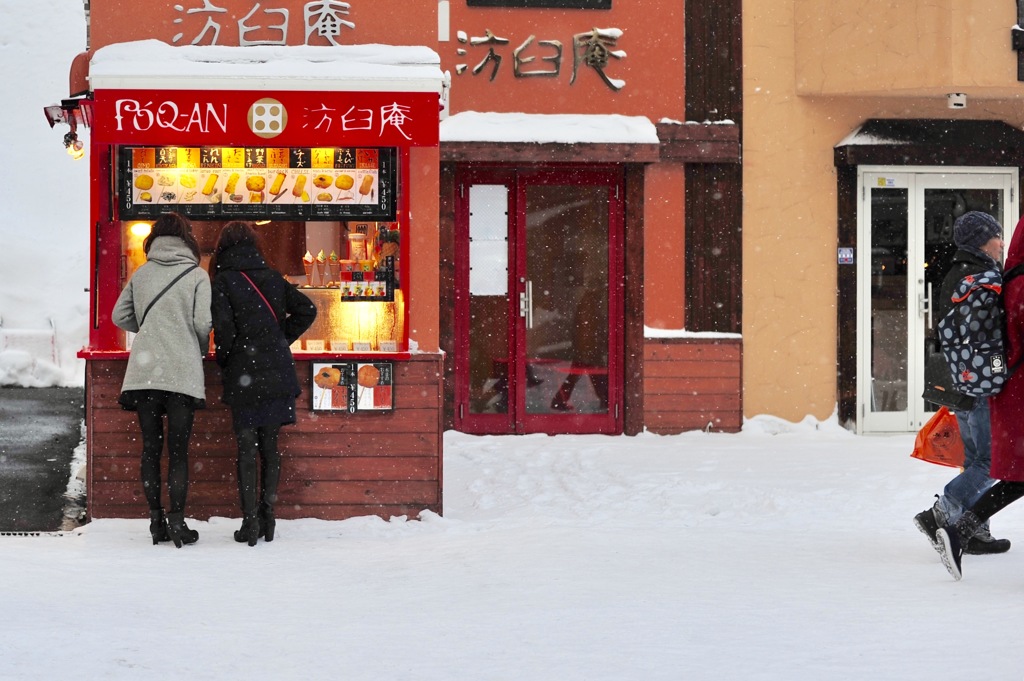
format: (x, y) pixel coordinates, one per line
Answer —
(971, 334)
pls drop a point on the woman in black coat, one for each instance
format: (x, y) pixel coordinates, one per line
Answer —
(257, 315)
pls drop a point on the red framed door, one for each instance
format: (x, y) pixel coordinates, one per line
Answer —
(539, 300)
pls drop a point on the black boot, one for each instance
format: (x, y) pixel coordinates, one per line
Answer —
(267, 521)
(951, 540)
(179, 532)
(270, 476)
(158, 526)
(250, 530)
(983, 543)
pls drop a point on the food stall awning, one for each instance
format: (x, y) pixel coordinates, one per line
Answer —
(154, 65)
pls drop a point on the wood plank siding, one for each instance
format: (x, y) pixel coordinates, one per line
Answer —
(335, 465)
(693, 384)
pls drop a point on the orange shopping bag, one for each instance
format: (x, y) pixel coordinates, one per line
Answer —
(939, 440)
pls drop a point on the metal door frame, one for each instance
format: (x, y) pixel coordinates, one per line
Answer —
(517, 420)
(916, 179)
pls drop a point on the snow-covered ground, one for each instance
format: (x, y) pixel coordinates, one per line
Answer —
(784, 552)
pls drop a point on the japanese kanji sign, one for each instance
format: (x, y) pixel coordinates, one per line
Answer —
(245, 118)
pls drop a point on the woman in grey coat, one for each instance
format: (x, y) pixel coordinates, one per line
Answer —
(167, 304)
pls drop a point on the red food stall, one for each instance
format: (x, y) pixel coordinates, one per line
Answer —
(332, 153)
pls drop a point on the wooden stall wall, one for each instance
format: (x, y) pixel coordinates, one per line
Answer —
(693, 384)
(334, 465)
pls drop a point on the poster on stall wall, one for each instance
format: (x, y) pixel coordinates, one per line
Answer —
(353, 386)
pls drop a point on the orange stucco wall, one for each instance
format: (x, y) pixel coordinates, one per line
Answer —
(423, 211)
(664, 244)
(813, 72)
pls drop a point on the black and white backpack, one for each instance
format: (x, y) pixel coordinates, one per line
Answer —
(972, 332)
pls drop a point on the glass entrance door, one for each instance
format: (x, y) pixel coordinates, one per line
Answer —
(906, 247)
(538, 318)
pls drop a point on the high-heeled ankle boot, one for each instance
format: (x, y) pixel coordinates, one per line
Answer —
(250, 530)
(267, 521)
(179, 532)
(158, 526)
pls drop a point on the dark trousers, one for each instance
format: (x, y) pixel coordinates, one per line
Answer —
(998, 497)
(261, 441)
(180, 412)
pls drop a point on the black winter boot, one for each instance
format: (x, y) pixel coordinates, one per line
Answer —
(270, 477)
(179, 532)
(267, 521)
(983, 543)
(950, 542)
(250, 530)
(158, 526)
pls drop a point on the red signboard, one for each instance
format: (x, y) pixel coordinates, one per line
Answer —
(281, 118)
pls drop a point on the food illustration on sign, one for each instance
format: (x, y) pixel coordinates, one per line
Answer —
(211, 183)
(328, 379)
(277, 187)
(368, 376)
(144, 182)
(353, 386)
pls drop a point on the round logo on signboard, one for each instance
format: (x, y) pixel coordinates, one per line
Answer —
(267, 117)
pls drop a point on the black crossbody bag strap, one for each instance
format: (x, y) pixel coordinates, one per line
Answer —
(160, 295)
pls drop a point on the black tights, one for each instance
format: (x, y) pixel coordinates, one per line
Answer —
(262, 441)
(998, 497)
(180, 415)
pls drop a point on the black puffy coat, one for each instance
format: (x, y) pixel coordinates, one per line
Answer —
(252, 349)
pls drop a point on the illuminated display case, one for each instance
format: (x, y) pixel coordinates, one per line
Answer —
(352, 271)
(326, 217)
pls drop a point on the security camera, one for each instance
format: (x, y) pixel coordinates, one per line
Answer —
(956, 100)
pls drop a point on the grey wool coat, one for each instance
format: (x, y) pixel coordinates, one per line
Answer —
(167, 354)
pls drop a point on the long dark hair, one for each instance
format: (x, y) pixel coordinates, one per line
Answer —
(172, 224)
(235, 233)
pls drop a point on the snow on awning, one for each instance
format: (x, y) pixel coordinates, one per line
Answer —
(474, 126)
(151, 64)
(931, 141)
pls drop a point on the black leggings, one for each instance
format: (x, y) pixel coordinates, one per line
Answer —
(998, 497)
(180, 410)
(262, 441)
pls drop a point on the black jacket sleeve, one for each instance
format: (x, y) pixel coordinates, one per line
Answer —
(224, 329)
(300, 312)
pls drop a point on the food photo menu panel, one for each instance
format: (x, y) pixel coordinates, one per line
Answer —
(287, 183)
(353, 386)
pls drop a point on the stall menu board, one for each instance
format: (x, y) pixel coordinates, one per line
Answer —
(353, 386)
(253, 183)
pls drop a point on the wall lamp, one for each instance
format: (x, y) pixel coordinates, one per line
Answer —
(71, 112)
